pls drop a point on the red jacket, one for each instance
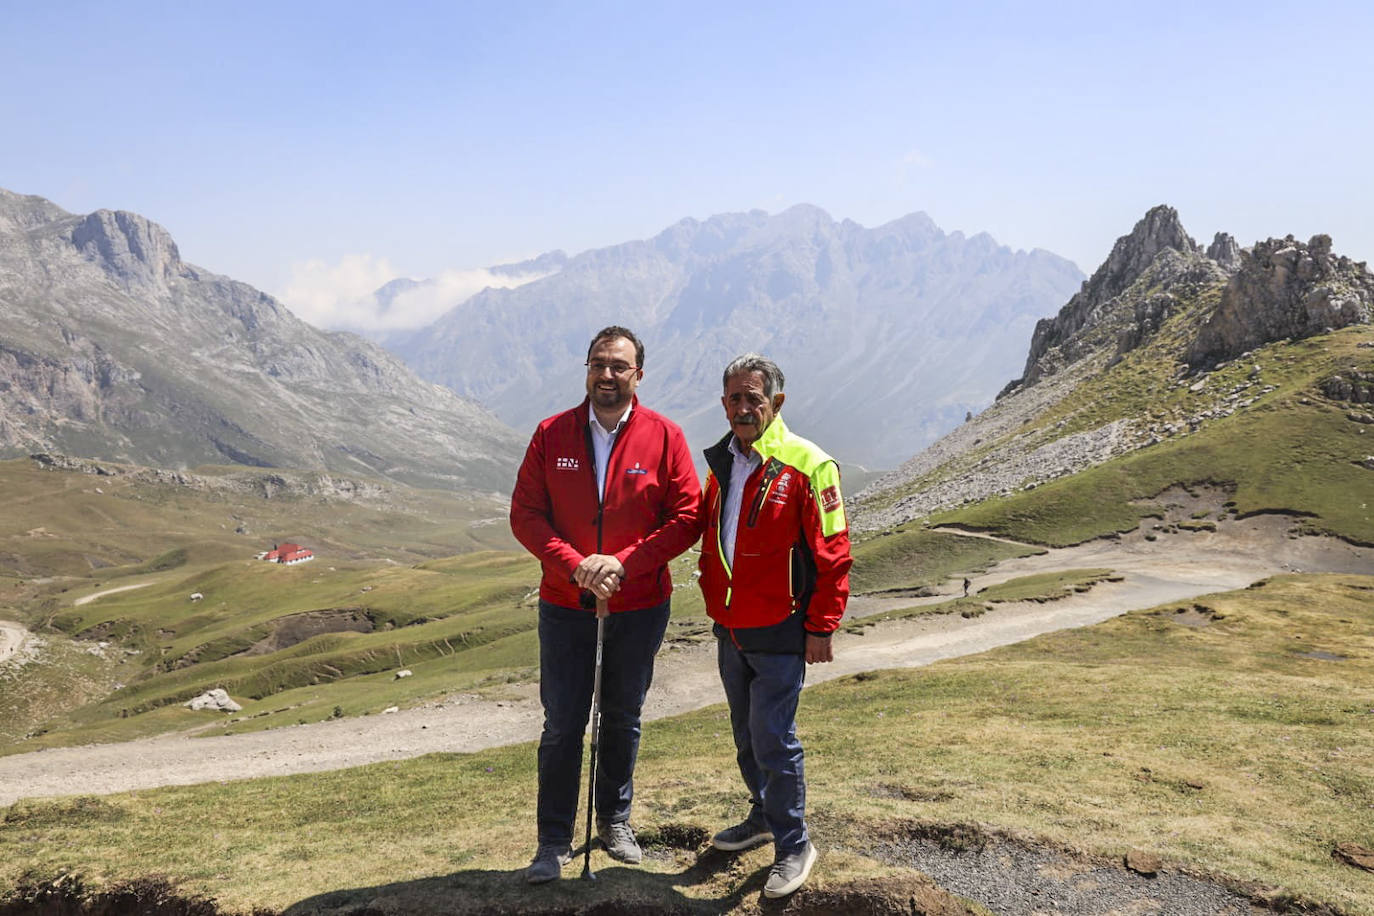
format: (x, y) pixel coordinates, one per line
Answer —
(650, 513)
(791, 570)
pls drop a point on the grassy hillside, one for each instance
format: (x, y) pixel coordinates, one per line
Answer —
(1291, 450)
(63, 523)
(115, 559)
(1229, 736)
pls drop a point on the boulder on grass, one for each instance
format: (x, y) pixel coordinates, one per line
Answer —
(214, 699)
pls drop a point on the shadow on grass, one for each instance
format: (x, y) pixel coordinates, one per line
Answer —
(616, 890)
(714, 882)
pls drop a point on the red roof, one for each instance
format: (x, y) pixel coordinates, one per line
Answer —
(285, 553)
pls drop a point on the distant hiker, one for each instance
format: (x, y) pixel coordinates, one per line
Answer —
(775, 574)
(966, 585)
(605, 497)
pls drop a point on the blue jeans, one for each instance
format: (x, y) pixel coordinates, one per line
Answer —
(567, 664)
(763, 689)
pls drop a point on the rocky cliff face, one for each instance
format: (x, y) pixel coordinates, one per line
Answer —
(888, 336)
(1284, 288)
(112, 347)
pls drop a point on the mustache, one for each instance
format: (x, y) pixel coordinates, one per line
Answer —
(747, 420)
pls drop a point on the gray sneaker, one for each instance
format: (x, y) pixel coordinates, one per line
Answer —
(548, 862)
(619, 841)
(789, 872)
(744, 835)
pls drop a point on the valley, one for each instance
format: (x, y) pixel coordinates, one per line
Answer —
(1178, 567)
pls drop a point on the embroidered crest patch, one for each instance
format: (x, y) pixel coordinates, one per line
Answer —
(830, 499)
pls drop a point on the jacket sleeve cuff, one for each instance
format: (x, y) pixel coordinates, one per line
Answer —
(825, 635)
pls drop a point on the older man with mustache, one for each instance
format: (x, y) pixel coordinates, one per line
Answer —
(775, 574)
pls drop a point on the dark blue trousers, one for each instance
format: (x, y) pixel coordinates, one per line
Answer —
(567, 663)
(763, 689)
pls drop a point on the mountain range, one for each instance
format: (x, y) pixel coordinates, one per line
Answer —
(888, 336)
(111, 346)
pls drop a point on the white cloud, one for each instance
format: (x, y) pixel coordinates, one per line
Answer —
(417, 307)
(336, 295)
(342, 295)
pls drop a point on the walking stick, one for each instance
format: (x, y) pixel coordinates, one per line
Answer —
(601, 613)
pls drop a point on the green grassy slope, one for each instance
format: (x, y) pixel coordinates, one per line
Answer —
(1292, 450)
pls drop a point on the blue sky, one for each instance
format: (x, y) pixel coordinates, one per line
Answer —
(318, 148)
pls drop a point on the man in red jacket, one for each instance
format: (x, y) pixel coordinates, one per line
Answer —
(605, 497)
(775, 574)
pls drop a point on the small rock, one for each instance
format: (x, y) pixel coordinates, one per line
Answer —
(1143, 863)
(404, 672)
(391, 709)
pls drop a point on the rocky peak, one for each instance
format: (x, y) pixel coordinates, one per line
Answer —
(1157, 232)
(131, 248)
(22, 212)
(1284, 288)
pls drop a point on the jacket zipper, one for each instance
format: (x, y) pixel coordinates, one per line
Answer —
(591, 461)
(770, 473)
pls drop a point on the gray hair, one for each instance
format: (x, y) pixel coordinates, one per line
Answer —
(754, 362)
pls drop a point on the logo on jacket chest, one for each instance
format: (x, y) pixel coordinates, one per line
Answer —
(778, 495)
(566, 464)
(636, 469)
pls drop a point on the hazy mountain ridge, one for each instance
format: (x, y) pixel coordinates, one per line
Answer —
(1129, 361)
(888, 336)
(113, 347)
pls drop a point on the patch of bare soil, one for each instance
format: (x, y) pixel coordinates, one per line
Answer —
(1014, 876)
(13, 639)
(69, 895)
(297, 628)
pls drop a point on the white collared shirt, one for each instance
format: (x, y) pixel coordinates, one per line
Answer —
(742, 466)
(602, 440)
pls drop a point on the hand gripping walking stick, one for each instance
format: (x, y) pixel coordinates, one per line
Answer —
(601, 614)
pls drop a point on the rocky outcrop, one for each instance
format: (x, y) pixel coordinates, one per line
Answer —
(132, 249)
(1224, 251)
(215, 699)
(1352, 385)
(1052, 344)
(1284, 289)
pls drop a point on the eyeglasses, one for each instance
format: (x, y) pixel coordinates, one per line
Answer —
(598, 368)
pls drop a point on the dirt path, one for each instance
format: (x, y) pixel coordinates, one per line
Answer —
(1172, 567)
(87, 599)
